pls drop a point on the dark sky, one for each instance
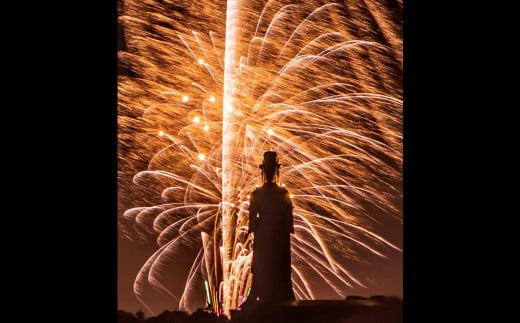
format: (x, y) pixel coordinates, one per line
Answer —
(386, 275)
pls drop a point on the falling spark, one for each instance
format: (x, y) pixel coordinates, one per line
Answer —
(318, 82)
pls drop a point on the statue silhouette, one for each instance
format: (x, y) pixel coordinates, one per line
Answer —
(271, 222)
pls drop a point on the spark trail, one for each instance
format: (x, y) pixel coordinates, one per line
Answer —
(205, 88)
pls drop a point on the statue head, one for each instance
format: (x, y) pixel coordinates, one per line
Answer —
(270, 167)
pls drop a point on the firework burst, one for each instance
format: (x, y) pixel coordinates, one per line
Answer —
(319, 82)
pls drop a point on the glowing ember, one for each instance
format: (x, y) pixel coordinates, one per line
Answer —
(318, 82)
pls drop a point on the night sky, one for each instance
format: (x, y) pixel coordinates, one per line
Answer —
(384, 276)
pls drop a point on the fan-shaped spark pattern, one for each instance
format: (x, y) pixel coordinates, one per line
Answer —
(319, 82)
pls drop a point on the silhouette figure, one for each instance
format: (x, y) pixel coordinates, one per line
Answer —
(271, 222)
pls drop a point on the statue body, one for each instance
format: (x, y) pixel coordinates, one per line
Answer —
(271, 222)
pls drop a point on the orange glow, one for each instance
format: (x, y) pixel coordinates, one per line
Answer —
(329, 103)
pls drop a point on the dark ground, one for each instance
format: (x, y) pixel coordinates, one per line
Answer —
(375, 309)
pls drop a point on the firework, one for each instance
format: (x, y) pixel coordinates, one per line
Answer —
(316, 81)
